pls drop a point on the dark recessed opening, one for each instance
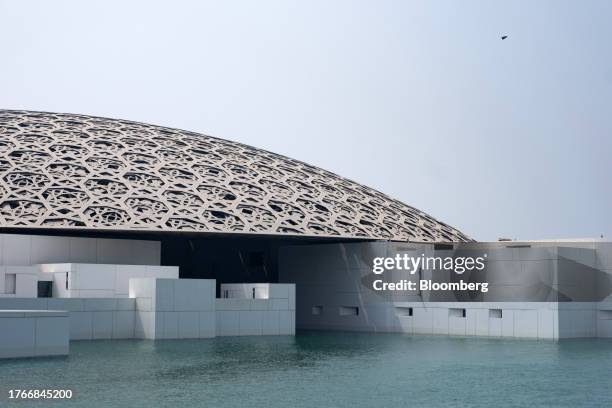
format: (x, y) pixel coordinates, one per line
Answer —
(256, 259)
(404, 311)
(45, 289)
(349, 311)
(456, 312)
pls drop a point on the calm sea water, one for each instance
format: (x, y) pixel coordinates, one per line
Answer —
(323, 370)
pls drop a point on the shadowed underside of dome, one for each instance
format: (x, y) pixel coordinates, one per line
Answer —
(80, 172)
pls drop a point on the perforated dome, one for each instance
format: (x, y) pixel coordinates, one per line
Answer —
(69, 171)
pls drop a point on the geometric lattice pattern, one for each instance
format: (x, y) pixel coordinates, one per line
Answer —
(75, 171)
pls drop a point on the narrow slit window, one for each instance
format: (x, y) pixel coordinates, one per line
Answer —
(404, 311)
(10, 283)
(349, 311)
(456, 312)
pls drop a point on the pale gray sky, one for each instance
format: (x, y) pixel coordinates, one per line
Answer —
(420, 100)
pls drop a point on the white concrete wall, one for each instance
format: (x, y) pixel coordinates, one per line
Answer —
(335, 279)
(169, 309)
(97, 319)
(578, 319)
(245, 290)
(26, 281)
(100, 280)
(29, 333)
(536, 320)
(604, 319)
(245, 316)
(328, 278)
(89, 319)
(16, 249)
(174, 308)
(187, 308)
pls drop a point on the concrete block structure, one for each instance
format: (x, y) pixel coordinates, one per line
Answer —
(18, 281)
(88, 319)
(33, 333)
(540, 290)
(163, 308)
(256, 309)
(174, 308)
(99, 280)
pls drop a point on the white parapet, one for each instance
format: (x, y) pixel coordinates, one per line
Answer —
(89, 319)
(98, 318)
(245, 290)
(31, 333)
(187, 308)
(80, 280)
(160, 308)
(248, 309)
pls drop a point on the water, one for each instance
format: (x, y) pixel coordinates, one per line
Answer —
(323, 370)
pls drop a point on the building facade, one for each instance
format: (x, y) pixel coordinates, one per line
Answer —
(124, 229)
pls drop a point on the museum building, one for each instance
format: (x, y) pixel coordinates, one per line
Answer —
(117, 229)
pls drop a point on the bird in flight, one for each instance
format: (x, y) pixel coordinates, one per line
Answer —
(504, 37)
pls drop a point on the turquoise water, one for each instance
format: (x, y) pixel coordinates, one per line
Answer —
(323, 370)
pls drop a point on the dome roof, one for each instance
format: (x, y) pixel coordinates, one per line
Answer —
(63, 171)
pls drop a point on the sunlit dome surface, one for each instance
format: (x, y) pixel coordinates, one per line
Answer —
(64, 171)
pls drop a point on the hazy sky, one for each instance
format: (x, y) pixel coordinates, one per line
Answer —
(420, 100)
